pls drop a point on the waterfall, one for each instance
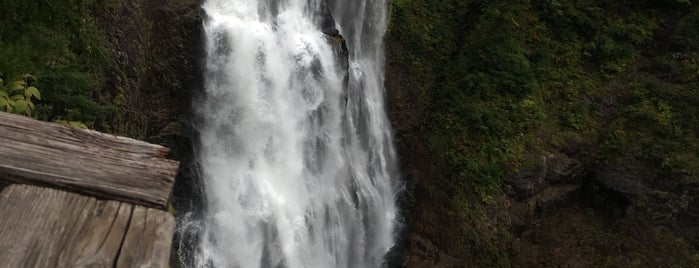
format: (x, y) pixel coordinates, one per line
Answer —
(296, 150)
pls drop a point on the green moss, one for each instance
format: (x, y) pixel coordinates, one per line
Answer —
(485, 242)
(502, 75)
(500, 79)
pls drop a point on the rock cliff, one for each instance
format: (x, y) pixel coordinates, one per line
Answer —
(154, 47)
(566, 180)
(586, 186)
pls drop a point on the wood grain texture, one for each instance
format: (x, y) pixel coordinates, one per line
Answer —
(85, 161)
(43, 227)
(3, 184)
(147, 242)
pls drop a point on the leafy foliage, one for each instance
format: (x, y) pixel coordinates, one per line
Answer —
(16, 96)
(57, 41)
(505, 79)
(505, 76)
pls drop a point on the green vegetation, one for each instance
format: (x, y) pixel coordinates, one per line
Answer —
(628, 245)
(17, 95)
(57, 41)
(506, 79)
(509, 76)
(501, 81)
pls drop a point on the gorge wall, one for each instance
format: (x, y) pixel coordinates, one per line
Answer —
(531, 133)
(546, 134)
(155, 53)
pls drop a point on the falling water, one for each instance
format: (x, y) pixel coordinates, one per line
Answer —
(296, 151)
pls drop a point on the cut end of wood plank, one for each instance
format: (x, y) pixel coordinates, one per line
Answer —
(19, 121)
(85, 161)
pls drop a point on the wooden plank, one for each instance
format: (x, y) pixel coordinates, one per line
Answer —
(85, 161)
(3, 184)
(43, 227)
(148, 241)
(51, 228)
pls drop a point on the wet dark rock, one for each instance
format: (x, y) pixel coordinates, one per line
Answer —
(562, 169)
(616, 184)
(428, 254)
(331, 31)
(673, 202)
(685, 205)
(612, 203)
(525, 184)
(624, 175)
(539, 173)
(341, 53)
(555, 197)
(520, 216)
(325, 20)
(154, 48)
(326, 23)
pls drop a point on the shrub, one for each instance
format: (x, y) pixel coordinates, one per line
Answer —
(17, 95)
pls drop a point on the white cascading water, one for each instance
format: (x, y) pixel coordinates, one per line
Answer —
(296, 149)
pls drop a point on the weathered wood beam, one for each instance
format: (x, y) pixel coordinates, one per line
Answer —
(85, 161)
(43, 227)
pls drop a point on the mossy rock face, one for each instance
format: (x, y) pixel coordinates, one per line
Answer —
(479, 91)
(539, 171)
(155, 54)
(60, 44)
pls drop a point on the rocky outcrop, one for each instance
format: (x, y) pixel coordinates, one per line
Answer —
(624, 175)
(325, 20)
(557, 209)
(543, 170)
(620, 210)
(582, 202)
(155, 50)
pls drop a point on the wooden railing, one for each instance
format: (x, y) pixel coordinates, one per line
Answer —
(82, 198)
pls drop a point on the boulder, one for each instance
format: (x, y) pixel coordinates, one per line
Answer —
(556, 196)
(624, 175)
(325, 20)
(539, 173)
